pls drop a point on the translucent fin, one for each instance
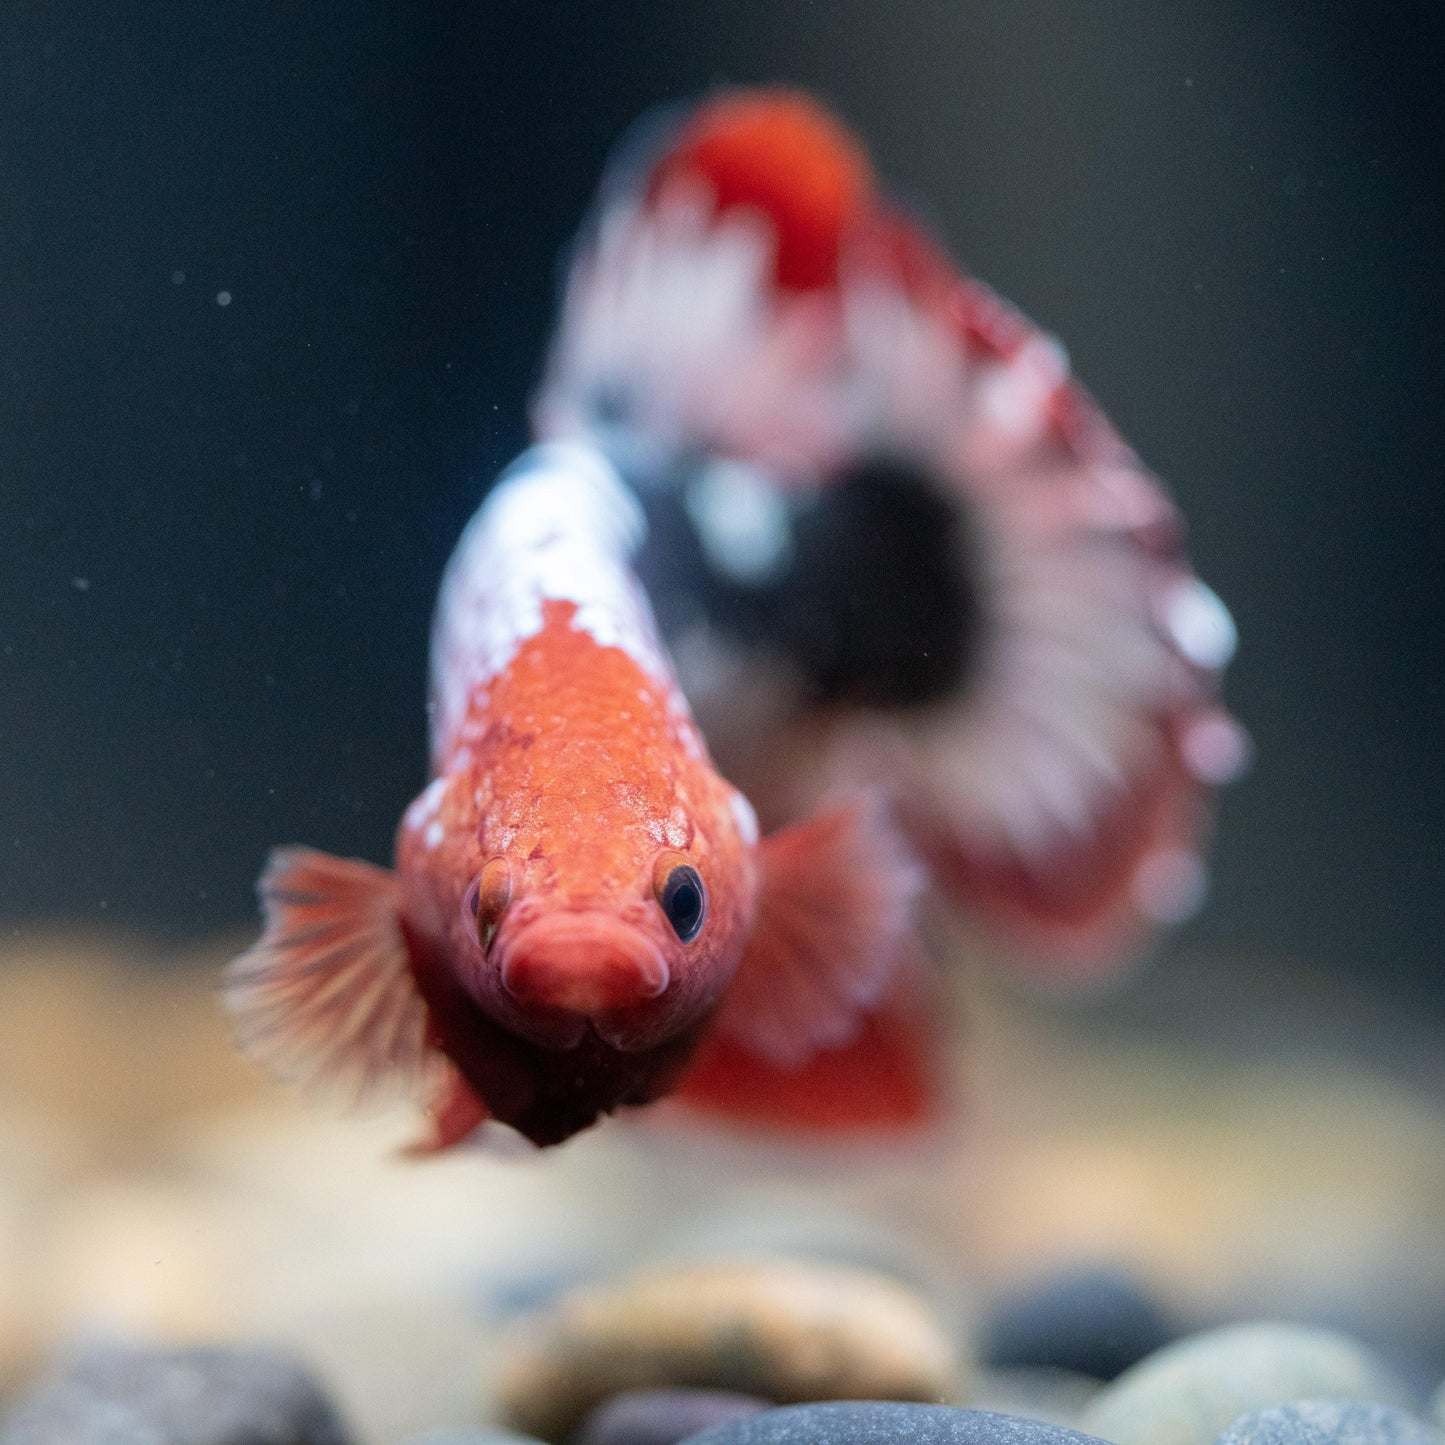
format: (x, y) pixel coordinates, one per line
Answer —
(326, 994)
(836, 898)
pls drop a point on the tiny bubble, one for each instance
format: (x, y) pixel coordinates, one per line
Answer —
(178, 278)
(81, 584)
(223, 298)
(1188, 80)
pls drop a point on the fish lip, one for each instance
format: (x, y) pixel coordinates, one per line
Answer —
(586, 962)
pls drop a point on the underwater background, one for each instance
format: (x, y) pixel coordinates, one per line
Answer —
(275, 286)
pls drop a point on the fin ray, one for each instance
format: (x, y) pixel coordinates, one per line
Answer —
(326, 993)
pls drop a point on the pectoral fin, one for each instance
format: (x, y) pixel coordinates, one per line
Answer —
(326, 995)
(836, 902)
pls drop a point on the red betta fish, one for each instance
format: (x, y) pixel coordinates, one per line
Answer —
(923, 560)
(579, 898)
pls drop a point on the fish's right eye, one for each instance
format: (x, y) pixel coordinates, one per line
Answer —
(487, 899)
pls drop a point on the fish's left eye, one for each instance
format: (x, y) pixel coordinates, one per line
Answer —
(683, 899)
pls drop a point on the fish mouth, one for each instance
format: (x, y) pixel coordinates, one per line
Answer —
(586, 964)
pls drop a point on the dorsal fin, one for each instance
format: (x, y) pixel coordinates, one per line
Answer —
(777, 153)
(326, 994)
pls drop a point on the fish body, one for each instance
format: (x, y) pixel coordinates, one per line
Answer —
(577, 888)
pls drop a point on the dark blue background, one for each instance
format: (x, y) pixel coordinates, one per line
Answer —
(221, 527)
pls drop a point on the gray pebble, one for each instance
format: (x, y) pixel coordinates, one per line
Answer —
(1329, 1422)
(873, 1422)
(662, 1417)
(1186, 1393)
(1092, 1319)
(126, 1396)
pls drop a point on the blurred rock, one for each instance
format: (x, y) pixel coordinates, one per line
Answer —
(1057, 1397)
(661, 1417)
(1329, 1422)
(875, 1423)
(1092, 1320)
(1186, 1393)
(782, 1330)
(120, 1396)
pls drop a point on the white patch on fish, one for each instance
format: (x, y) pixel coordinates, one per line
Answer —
(424, 808)
(559, 526)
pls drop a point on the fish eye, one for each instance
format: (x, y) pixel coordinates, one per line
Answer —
(683, 899)
(487, 899)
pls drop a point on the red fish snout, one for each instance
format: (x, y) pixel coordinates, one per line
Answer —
(584, 963)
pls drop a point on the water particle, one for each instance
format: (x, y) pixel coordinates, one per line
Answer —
(223, 298)
(178, 278)
(81, 584)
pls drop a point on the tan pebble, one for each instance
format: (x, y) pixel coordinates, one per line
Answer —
(783, 1330)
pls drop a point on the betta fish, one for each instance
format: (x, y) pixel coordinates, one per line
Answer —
(579, 898)
(806, 491)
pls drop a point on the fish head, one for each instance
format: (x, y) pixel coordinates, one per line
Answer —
(626, 918)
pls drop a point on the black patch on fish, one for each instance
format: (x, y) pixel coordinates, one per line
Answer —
(878, 605)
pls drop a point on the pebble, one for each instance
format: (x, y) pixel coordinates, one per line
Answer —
(871, 1422)
(1186, 1393)
(1329, 1422)
(661, 1417)
(126, 1396)
(1091, 1320)
(784, 1330)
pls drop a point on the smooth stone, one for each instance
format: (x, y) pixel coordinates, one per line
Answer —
(783, 1330)
(124, 1396)
(1092, 1320)
(1186, 1393)
(1330, 1422)
(1035, 1392)
(661, 1417)
(874, 1422)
